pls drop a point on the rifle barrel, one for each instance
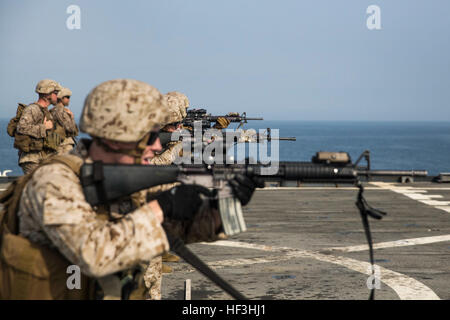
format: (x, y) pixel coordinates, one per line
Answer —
(246, 118)
(233, 118)
(286, 138)
(411, 173)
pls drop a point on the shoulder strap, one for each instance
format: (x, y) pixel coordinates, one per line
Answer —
(73, 162)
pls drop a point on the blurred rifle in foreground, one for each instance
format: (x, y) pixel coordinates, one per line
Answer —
(103, 183)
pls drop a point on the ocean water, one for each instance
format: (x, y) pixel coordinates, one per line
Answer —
(393, 145)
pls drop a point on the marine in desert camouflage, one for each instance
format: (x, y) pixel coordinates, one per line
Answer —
(35, 136)
(64, 121)
(58, 228)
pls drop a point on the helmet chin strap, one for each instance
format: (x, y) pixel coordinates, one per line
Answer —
(136, 153)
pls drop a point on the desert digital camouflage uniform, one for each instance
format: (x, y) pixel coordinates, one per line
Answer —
(53, 212)
(153, 273)
(178, 100)
(31, 123)
(172, 151)
(65, 122)
(177, 104)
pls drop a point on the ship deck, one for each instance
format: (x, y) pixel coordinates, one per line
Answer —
(309, 243)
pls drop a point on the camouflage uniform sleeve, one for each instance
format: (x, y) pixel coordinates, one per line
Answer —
(169, 155)
(65, 120)
(98, 247)
(69, 123)
(30, 122)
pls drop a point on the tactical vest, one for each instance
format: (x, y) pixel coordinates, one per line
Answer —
(29, 270)
(27, 143)
(59, 129)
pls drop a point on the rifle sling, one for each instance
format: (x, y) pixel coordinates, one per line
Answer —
(177, 245)
(361, 204)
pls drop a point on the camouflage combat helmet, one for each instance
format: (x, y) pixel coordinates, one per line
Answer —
(173, 113)
(179, 101)
(47, 86)
(64, 92)
(123, 110)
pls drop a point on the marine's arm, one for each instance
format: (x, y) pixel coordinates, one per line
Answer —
(98, 247)
(65, 119)
(27, 124)
(169, 155)
(69, 122)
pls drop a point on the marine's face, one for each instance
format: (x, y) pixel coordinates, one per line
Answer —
(66, 100)
(150, 151)
(148, 154)
(54, 97)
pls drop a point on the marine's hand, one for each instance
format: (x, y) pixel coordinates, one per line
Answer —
(222, 123)
(48, 124)
(182, 202)
(156, 209)
(243, 187)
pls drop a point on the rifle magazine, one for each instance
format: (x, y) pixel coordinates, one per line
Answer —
(232, 217)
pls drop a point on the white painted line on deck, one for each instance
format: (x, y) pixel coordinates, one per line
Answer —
(417, 194)
(407, 288)
(405, 189)
(423, 196)
(445, 208)
(393, 244)
(312, 188)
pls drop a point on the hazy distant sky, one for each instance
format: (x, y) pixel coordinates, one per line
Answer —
(297, 60)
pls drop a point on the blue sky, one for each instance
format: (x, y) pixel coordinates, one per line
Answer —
(295, 60)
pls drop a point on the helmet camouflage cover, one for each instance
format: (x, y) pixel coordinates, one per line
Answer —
(64, 93)
(123, 110)
(47, 86)
(179, 101)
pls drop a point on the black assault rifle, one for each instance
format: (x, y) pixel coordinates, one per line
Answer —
(103, 183)
(207, 119)
(245, 136)
(365, 173)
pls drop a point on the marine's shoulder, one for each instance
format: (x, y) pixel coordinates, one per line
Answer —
(56, 172)
(57, 109)
(32, 108)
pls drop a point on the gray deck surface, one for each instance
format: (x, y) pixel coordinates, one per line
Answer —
(314, 220)
(307, 222)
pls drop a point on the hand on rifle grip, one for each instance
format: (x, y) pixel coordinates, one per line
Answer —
(243, 187)
(182, 202)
